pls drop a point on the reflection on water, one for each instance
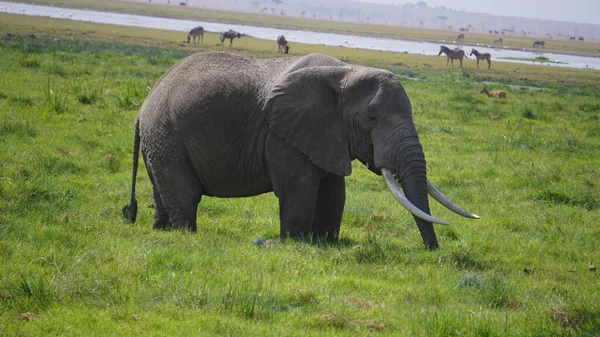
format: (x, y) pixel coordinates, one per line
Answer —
(300, 36)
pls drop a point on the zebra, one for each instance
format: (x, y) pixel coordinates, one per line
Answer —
(282, 44)
(541, 44)
(580, 38)
(460, 37)
(194, 33)
(499, 41)
(572, 38)
(452, 55)
(231, 34)
(482, 56)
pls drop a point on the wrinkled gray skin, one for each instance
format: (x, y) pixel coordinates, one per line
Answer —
(224, 125)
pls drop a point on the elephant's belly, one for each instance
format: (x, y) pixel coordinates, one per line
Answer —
(236, 189)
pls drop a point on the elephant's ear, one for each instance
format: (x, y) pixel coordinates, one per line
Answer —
(302, 109)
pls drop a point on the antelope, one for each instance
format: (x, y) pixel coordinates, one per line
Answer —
(194, 33)
(460, 37)
(282, 44)
(482, 56)
(499, 41)
(231, 34)
(452, 55)
(493, 93)
(541, 44)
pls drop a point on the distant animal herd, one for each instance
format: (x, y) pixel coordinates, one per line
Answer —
(283, 46)
(198, 33)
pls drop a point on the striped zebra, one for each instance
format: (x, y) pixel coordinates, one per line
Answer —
(541, 44)
(231, 34)
(482, 56)
(452, 55)
(282, 44)
(499, 41)
(194, 33)
(460, 37)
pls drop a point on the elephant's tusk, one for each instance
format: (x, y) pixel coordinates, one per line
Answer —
(442, 199)
(391, 184)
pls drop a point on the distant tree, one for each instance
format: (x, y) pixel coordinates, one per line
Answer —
(422, 4)
(303, 13)
(442, 19)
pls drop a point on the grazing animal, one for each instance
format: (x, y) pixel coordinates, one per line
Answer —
(194, 33)
(482, 56)
(572, 38)
(460, 37)
(225, 125)
(230, 34)
(499, 41)
(282, 44)
(540, 44)
(493, 93)
(580, 38)
(452, 55)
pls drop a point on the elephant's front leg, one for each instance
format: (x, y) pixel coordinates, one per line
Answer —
(330, 206)
(296, 183)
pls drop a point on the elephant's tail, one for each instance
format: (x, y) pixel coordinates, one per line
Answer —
(130, 210)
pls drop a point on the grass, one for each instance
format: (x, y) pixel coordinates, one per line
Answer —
(72, 266)
(540, 59)
(557, 45)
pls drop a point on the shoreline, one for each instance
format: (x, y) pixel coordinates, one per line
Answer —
(333, 31)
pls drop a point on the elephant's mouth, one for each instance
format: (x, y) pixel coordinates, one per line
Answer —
(372, 167)
(431, 190)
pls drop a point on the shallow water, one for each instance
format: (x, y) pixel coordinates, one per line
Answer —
(300, 36)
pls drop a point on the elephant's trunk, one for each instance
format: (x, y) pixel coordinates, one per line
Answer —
(407, 165)
(413, 179)
(410, 172)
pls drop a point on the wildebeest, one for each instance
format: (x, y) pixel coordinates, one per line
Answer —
(540, 44)
(230, 34)
(282, 44)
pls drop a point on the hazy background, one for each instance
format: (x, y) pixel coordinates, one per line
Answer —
(584, 11)
(549, 19)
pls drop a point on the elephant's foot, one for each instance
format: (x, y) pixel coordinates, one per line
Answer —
(161, 222)
(185, 226)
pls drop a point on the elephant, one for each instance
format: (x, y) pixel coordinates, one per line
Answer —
(226, 125)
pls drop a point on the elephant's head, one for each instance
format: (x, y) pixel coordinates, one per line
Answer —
(334, 114)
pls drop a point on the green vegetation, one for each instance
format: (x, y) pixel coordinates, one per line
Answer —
(559, 44)
(528, 165)
(540, 59)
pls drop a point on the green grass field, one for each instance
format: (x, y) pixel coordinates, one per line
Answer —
(557, 44)
(71, 266)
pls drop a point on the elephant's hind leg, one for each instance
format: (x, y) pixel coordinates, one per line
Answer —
(329, 209)
(180, 191)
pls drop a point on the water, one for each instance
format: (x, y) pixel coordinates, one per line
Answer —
(300, 36)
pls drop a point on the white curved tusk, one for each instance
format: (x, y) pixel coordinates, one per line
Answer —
(442, 199)
(391, 184)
